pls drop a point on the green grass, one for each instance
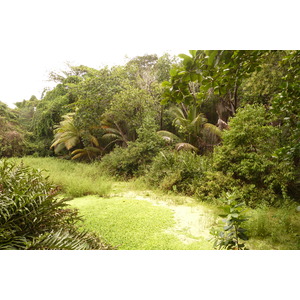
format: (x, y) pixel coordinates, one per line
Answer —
(132, 224)
(274, 228)
(137, 224)
(76, 179)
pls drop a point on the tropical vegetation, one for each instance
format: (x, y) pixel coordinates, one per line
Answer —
(207, 124)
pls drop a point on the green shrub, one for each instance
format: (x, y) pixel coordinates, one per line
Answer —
(134, 159)
(247, 154)
(33, 217)
(230, 236)
(214, 185)
(181, 171)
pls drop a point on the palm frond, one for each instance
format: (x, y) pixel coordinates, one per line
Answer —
(94, 140)
(186, 147)
(109, 136)
(213, 129)
(79, 155)
(168, 136)
(60, 240)
(59, 147)
(87, 152)
(71, 142)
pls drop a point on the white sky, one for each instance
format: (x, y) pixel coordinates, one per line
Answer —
(41, 36)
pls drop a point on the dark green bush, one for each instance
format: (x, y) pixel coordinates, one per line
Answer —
(181, 171)
(32, 216)
(247, 155)
(215, 185)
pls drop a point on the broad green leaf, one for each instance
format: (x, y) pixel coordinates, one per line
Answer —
(185, 57)
(173, 72)
(211, 57)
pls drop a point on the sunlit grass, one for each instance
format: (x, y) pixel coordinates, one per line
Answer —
(76, 179)
(132, 224)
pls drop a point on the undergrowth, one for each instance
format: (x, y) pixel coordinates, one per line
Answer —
(268, 227)
(277, 227)
(34, 217)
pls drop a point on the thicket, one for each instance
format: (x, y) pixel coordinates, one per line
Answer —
(33, 216)
(178, 171)
(245, 162)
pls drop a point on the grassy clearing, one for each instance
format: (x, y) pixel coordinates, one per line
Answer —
(132, 224)
(76, 179)
(136, 224)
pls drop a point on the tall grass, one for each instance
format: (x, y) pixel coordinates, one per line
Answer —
(76, 179)
(277, 227)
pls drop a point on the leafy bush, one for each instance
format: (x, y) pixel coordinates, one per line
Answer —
(214, 185)
(247, 154)
(134, 159)
(33, 217)
(181, 171)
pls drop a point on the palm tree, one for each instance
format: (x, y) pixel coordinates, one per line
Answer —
(113, 133)
(68, 135)
(170, 137)
(194, 130)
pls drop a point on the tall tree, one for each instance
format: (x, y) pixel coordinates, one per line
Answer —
(212, 72)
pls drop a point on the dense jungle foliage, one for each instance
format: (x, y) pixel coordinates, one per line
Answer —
(206, 123)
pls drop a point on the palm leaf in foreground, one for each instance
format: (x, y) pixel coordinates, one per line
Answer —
(66, 240)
